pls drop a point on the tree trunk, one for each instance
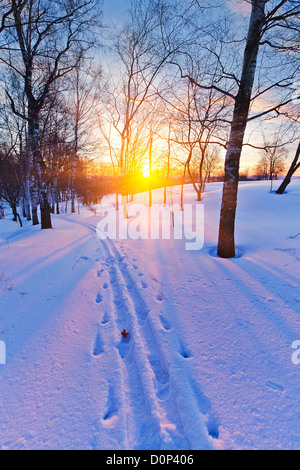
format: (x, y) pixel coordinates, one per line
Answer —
(201, 182)
(73, 210)
(34, 207)
(294, 167)
(16, 215)
(23, 208)
(198, 190)
(27, 199)
(168, 166)
(182, 189)
(14, 211)
(73, 177)
(150, 171)
(40, 183)
(226, 246)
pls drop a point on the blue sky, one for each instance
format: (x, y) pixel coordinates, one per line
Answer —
(116, 9)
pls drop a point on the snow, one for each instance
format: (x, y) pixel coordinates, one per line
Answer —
(208, 362)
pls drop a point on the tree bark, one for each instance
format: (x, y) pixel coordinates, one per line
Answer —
(182, 189)
(168, 166)
(294, 167)
(39, 192)
(16, 215)
(226, 246)
(27, 199)
(150, 171)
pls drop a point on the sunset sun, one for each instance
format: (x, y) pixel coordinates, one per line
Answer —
(146, 172)
(149, 237)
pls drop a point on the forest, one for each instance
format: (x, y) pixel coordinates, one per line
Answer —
(89, 108)
(149, 236)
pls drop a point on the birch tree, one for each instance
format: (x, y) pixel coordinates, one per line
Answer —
(261, 22)
(269, 66)
(46, 41)
(292, 170)
(84, 84)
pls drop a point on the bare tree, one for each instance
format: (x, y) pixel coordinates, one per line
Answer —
(261, 22)
(201, 121)
(10, 182)
(82, 109)
(142, 59)
(292, 170)
(7, 8)
(271, 164)
(46, 41)
(273, 29)
(275, 155)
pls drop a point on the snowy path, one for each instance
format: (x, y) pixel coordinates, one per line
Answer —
(208, 360)
(158, 410)
(72, 380)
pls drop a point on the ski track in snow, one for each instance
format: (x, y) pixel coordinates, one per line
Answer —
(208, 360)
(160, 406)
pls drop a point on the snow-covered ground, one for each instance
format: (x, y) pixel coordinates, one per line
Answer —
(208, 363)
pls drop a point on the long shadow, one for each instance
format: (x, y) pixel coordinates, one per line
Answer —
(46, 258)
(181, 361)
(31, 315)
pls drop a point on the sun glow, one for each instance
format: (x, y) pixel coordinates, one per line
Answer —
(146, 172)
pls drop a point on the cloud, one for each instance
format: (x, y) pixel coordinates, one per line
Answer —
(237, 6)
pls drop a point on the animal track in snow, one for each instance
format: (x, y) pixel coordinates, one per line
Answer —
(98, 346)
(213, 427)
(184, 352)
(112, 408)
(106, 319)
(160, 297)
(165, 324)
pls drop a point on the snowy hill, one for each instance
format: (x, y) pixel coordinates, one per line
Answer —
(208, 360)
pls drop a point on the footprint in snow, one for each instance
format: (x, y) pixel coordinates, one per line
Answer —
(184, 352)
(213, 427)
(112, 408)
(160, 297)
(165, 323)
(105, 319)
(98, 346)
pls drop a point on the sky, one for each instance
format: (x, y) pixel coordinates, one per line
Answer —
(116, 10)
